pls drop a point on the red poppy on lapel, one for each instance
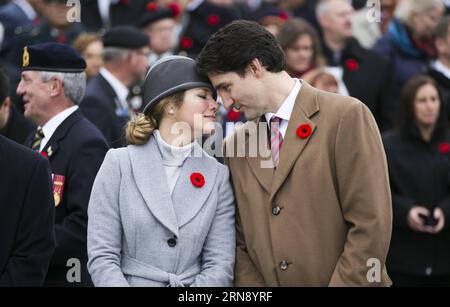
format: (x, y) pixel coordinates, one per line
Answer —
(176, 8)
(352, 65)
(44, 154)
(197, 180)
(152, 6)
(233, 115)
(444, 148)
(303, 131)
(283, 16)
(186, 43)
(213, 19)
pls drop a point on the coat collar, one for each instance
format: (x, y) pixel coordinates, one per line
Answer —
(173, 211)
(306, 105)
(60, 133)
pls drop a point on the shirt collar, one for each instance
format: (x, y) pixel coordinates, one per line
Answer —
(50, 127)
(442, 68)
(285, 110)
(119, 88)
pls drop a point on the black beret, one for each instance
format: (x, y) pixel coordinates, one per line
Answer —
(128, 37)
(154, 13)
(52, 57)
(171, 75)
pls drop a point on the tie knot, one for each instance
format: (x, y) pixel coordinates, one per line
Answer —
(40, 132)
(275, 119)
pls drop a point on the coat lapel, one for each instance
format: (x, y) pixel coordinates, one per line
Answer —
(263, 174)
(306, 105)
(150, 177)
(188, 200)
(60, 133)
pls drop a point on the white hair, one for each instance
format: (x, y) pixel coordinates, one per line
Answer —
(113, 54)
(74, 84)
(406, 8)
(323, 7)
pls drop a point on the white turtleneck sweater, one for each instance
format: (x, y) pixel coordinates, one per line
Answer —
(173, 158)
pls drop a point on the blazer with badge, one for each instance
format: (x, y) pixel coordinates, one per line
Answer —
(141, 235)
(76, 151)
(27, 237)
(324, 213)
(101, 106)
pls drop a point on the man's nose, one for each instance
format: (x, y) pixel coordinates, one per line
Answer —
(20, 90)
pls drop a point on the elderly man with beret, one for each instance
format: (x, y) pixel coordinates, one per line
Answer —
(52, 85)
(106, 102)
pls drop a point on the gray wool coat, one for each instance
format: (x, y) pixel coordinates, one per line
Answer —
(134, 222)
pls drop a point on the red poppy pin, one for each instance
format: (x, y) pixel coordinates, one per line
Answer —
(197, 180)
(44, 154)
(152, 6)
(176, 9)
(283, 16)
(352, 65)
(233, 115)
(186, 43)
(304, 131)
(444, 148)
(213, 19)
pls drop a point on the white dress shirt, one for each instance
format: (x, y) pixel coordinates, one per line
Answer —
(119, 88)
(437, 65)
(50, 127)
(285, 110)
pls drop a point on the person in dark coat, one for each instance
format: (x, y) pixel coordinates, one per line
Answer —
(407, 43)
(27, 237)
(12, 124)
(361, 73)
(119, 12)
(418, 154)
(106, 102)
(53, 82)
(439, 70)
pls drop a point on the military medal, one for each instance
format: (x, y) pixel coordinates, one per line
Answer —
(58, 188)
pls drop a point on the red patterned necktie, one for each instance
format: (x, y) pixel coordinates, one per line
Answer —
(276, 139)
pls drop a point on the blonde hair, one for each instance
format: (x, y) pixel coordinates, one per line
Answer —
(406, 8)
(139, 129)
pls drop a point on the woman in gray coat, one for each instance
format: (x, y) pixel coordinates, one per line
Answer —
(161, 211)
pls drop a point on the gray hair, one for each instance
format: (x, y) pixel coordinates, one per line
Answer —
(113, 54)
(323, 7)
(406, 8)
(74, 84)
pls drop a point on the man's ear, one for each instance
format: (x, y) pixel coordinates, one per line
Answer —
(256, 68)
(56, 87)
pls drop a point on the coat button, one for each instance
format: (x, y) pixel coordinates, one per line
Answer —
(172, 242)
(276, 210)
(284, 265)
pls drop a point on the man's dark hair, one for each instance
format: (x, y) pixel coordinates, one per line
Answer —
(4, 86)
(442, 28)
(232, 48)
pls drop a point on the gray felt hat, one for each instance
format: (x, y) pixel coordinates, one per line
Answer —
(170, 75)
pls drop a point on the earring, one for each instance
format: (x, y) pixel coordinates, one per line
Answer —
(171, 112)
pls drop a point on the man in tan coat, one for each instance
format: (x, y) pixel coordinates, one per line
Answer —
(308, 169)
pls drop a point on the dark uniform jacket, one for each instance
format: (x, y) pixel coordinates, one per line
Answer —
(75, 151)
(27, 239)
(101, 106)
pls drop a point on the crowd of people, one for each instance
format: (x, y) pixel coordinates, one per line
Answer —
(352, 94)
